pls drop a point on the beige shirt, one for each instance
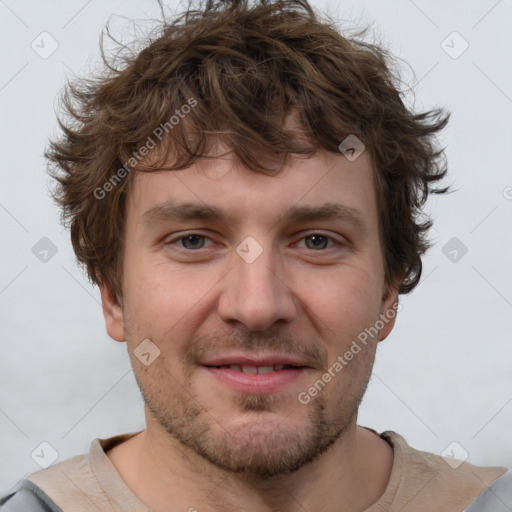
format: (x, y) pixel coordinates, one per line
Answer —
(419, 482)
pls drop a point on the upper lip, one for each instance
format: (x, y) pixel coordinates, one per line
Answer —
(254, 360)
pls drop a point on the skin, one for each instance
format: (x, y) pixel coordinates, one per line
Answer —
(210, 447)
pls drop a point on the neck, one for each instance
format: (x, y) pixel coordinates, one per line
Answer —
(160, 470)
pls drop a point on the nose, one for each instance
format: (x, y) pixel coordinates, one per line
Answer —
(255, 293)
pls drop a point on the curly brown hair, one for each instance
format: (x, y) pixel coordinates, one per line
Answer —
(243, 68)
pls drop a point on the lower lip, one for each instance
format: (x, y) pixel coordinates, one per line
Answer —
(256, 383)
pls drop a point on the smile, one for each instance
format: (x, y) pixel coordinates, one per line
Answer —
(253, 379)
(255, 369)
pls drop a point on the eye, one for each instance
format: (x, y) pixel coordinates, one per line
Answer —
(318, 241)
(196, 241)
(192, 241)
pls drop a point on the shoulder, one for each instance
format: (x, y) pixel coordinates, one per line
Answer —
(72, 484)
(443, 480)
(46, 490)
(28, 497)
(497, 497)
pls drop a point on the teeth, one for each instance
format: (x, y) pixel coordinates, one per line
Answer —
(265, 369)
(253, 369)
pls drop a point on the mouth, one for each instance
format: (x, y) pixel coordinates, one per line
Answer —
(264, 375)
(251, 369)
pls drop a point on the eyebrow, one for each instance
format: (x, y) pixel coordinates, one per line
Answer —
(187, 211)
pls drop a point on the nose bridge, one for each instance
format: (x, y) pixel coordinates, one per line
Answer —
(254, 293)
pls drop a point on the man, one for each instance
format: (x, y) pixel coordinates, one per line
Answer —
(245, 192)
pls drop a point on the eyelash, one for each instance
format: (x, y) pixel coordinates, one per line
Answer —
(182, 237)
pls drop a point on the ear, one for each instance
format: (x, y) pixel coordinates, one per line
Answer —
(113, 314)
(388, 312)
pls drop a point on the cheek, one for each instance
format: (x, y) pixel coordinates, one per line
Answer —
(345, 301)
(163, 302)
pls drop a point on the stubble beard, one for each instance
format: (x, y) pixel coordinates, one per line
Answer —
(249, 448)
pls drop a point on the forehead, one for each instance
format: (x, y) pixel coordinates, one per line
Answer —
(221, 188)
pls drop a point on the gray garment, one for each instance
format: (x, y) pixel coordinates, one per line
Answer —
(496, 498)
(28, 497)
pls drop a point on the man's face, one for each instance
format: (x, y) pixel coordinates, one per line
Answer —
(257, 288)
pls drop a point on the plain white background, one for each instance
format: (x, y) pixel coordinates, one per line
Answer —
(444, 374)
